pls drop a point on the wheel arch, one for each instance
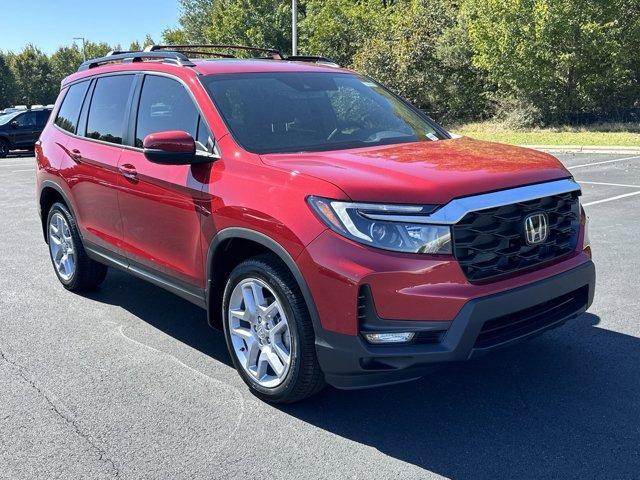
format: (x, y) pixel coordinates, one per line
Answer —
(50, 193)
(217, 270)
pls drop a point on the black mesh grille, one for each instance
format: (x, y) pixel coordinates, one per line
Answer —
(523, 322)
(491, 243)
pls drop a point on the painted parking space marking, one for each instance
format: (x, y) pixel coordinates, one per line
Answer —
(611, 199)
(610, 184)
(603, 162)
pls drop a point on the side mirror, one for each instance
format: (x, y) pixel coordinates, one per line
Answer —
(15, 124)
(173, 147)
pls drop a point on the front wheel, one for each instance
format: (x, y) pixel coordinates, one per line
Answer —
(269, 332)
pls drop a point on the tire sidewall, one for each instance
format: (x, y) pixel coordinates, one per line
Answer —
(62, 210)
(4, 151)
(256, 269)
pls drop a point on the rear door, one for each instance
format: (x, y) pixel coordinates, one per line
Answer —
(159, 204)
(94, 153)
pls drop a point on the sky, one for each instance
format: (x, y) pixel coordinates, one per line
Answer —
(50, 24)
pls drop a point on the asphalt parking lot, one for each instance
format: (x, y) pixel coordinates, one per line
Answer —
(129, 381)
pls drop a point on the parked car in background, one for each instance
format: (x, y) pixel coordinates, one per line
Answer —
(331, 230)
(20, 129)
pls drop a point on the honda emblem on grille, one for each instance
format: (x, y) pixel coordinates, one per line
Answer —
(536, 228)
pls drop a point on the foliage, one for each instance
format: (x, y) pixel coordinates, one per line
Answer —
(562, 56)
(33, 76)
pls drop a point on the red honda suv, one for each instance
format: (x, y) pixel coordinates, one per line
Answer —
(333, 232)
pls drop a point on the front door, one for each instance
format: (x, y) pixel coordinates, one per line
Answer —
(159, 204)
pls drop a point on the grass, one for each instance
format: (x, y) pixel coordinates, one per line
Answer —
(609, 134)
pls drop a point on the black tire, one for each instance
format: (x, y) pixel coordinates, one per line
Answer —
(304, 378)
(4, 148)
(88, 273)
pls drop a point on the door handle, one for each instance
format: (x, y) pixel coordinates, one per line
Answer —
(128, 171)
(75, 155)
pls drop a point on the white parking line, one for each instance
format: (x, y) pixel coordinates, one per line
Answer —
(611, 199)
(25, 170)
(14, 164)
(603, 162)
(611, 184)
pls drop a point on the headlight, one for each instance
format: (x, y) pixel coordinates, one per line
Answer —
(366, 223)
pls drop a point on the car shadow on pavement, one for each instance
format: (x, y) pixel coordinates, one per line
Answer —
(564, 405)
(172, 315)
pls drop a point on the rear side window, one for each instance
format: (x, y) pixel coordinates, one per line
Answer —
(69, 112)
(27, 119)
(165, 105)
(107, 111)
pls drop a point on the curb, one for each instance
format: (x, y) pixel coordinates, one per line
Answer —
(612, 149)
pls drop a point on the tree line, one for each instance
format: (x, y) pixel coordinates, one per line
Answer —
(30, 77)
(524, 62)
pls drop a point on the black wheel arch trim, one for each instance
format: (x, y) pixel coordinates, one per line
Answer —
(53, 185)
(276, 248)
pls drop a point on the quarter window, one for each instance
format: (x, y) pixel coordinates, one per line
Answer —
(67, 117)
(108, 109)
(166, 105)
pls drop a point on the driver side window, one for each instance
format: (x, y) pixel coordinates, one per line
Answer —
(166, 105)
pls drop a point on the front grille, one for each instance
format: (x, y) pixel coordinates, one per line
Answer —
(523, 322)
(491, 243)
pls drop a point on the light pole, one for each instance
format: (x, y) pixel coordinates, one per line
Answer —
(84, 50)
(294, 27)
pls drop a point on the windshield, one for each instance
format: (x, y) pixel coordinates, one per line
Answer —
(6, 118)
(310, 111)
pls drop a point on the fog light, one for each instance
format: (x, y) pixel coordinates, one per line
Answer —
(395, 337)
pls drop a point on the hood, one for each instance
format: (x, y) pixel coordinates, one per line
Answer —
(424, 172)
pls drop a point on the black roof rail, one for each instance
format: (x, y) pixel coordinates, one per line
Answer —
(313, 59)
(112, 57)
(198, 50)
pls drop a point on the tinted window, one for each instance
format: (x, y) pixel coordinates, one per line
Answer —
(204, 140)
(70, 109)
(27, 120)
(165, 105)
(307, 111)
(41, 117)
(107, 111)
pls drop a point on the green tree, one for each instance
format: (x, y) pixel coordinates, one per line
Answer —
(242, 22)
(7, 83)
(340, 28)
(64, 62)
(562, 56)
(34, 77)
(420, 52)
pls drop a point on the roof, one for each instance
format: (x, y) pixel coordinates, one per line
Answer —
(206, 67)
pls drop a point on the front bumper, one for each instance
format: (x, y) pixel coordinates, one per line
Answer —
(483, 324)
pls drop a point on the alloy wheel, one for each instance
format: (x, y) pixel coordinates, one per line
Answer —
(61, 247)
(259, 332)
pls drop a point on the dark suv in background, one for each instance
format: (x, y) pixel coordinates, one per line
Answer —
(20, 130)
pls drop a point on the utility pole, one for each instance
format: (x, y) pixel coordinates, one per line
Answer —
(294, 27)
(84, 49)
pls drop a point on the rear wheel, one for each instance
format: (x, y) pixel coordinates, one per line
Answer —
(75, 270)
(269, 332)
(4, 148)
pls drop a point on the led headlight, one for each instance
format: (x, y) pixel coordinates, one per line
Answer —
(382, 226)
